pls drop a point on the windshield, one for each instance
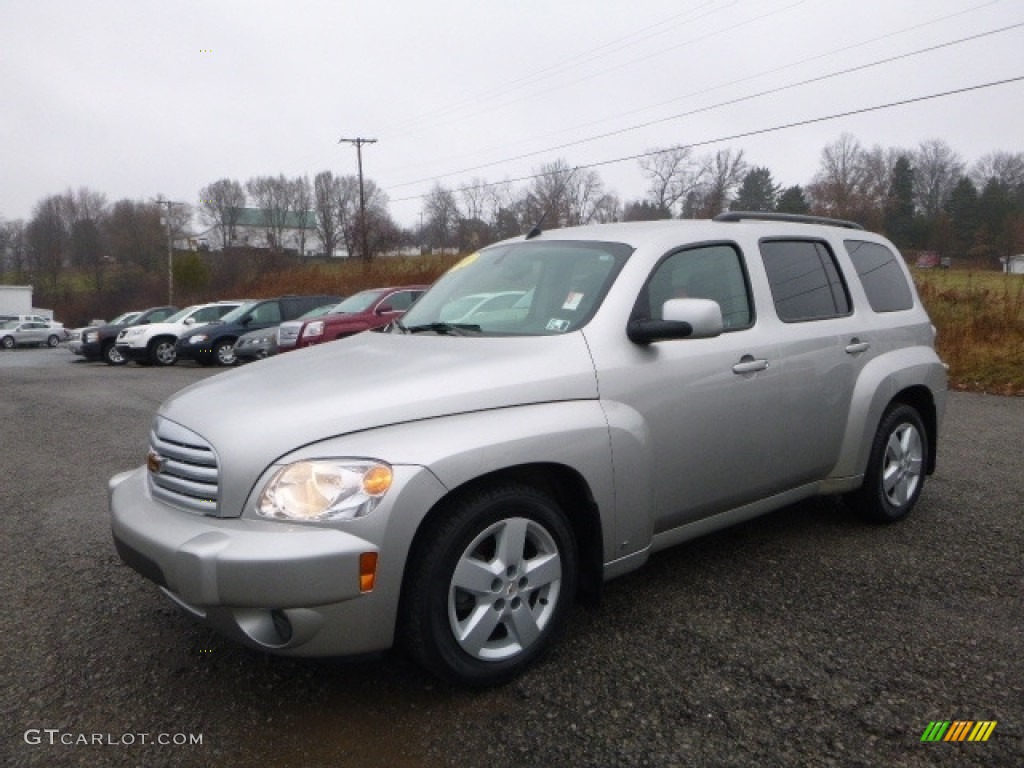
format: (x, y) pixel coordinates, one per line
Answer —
(236, 313)
(127, 317)
(522, 288)
(353, 305)
(318, 312)
(179, 316)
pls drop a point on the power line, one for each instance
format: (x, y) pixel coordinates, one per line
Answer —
(747, 134)
(728, 29)
(617, 44)
(827, 54)
(711, 107)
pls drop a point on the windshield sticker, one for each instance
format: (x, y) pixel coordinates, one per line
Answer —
(466, 261)
(572, 301)
(557, 324)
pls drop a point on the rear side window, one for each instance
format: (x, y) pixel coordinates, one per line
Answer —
(266, 313)
(805, 280)
(880, 274)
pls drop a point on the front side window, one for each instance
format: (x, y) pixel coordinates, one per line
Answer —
(880, 274)
(804, 280)
(399, 301)
(523, 288)
(712, 272)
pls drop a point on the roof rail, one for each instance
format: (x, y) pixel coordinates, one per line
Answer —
(796, 218)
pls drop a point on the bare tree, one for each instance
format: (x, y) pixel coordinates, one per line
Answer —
(561, 196)
(15, 252)
(937, 169)
(274, 197)
(476, 198)
(442, 216)
(837, 186)
(302, 203)
(48, 238)
(720, 176)
(1005, 167)
(221, 205)
(134, 234)
(325, 208)
(673, 174)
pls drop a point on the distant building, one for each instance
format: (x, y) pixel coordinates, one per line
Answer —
(1014, 265)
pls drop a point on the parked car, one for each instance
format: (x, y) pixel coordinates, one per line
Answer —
(463, 309)
(455, 486)
(363, 311)
(100, 343)
(262, 343)
(155, 343)
(215, 342)
(76, 337)
(15, 333)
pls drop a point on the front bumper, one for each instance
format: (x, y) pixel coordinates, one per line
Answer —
(201, 353)
(286, 588)
(136, 354)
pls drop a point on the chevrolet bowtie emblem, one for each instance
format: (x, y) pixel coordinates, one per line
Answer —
(155, 462)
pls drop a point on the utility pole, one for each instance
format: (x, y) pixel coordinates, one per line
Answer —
(170, 250)
(362, 195)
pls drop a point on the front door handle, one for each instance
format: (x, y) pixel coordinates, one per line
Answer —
(856, 346)
(748, 364)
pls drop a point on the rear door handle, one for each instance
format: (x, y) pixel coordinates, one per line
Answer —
(856, 346)
(748, 364)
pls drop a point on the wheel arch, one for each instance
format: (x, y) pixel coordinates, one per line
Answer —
(570, 491)
(921, 400)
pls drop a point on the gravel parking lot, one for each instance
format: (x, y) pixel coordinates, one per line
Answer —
(802, 638)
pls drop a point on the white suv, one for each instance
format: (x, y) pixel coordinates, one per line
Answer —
(154, 344)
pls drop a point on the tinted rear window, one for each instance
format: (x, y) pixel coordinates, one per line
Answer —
(805, 280)
(880, 274)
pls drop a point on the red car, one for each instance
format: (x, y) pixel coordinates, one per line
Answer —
(365, 310)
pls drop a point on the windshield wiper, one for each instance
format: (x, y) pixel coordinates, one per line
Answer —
(444, 329)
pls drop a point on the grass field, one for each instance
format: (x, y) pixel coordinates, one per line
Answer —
(980, 319)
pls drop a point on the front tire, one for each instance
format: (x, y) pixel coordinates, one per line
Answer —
(163, 352)
(490, 585)
(112, 357)
(52, 342)
(7, 342)
(896, 469)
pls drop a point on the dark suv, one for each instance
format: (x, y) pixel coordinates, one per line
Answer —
(215, 342)
(99, 342)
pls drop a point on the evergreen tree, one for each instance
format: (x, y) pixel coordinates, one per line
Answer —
(792, 200)
(757, 192)
(900, 223)
(962, 209)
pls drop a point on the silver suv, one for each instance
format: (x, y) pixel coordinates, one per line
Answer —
(453, 486)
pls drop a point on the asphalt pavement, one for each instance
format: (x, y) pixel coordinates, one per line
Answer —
(803, 638)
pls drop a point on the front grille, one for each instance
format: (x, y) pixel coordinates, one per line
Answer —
(188, 473)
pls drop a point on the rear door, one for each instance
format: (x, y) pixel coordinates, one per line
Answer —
(823, 346)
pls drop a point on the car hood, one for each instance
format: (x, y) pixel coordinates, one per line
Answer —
(253, 416)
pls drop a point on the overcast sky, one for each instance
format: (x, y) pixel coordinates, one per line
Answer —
(139, 98)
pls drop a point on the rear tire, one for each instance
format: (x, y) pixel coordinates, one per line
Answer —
(52, 342)
(224, 352)
(490, 585)
(896, 468)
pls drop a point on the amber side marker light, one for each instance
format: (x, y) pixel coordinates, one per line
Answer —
(367, 571)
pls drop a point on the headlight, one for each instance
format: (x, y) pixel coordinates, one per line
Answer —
(313, 329)
(90, 337)
(131, 333)
(325, 489)
(199, 338)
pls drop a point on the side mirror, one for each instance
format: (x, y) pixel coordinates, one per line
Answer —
(383, 309)
(190, 321)
(681, 319)
(246, 320)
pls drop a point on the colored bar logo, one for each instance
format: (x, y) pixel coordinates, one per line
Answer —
(958, 730)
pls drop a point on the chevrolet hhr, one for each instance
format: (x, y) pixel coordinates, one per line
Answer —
(452, 487)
